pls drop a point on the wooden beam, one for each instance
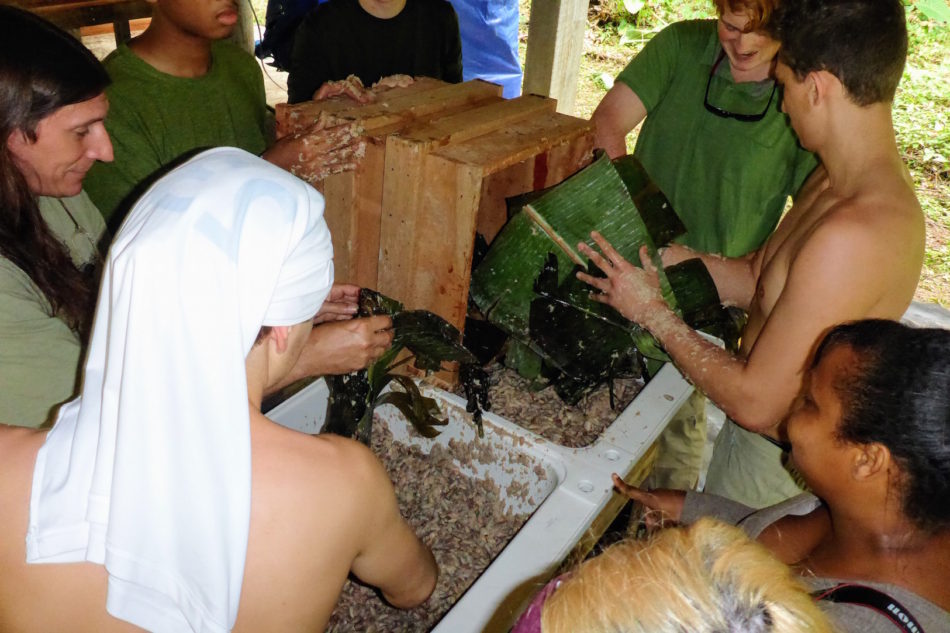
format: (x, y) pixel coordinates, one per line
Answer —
(555, 46)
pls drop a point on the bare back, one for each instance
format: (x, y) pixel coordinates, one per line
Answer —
(320, 508)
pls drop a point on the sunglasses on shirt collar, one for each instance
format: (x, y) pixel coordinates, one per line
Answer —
(745, 118)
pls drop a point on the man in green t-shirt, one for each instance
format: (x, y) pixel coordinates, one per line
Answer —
(180, 87)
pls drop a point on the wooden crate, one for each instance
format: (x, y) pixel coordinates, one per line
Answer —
(355, 199)
(440, 161)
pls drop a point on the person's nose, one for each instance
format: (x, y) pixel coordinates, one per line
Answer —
(101, 146)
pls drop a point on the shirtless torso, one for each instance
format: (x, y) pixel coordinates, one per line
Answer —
(872, 241)
(851, 247)
(299, 553)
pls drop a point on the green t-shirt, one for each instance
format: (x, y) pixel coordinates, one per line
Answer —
(728, 180)
(155, 118)
(39, 355)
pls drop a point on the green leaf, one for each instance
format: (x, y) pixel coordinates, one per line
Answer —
(372, 302)
(404, 402)
(431, 338)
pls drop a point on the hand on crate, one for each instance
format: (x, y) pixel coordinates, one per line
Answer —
(352, 87)
(329, 146)
(666, 505)
(632, 291)
(392, 81)
(341, 304)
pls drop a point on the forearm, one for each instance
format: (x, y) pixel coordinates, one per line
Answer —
(733, 276)
(723, 377)
(618, 113)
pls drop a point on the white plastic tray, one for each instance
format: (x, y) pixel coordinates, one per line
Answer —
(565, 501)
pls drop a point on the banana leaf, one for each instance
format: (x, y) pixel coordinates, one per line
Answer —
(431, 338)
(432, 341)
(502, 286)
(527, 286)
(662, 224)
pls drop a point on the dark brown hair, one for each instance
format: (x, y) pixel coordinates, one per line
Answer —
(42, 69)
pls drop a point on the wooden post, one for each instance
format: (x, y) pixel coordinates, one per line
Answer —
(555, 45)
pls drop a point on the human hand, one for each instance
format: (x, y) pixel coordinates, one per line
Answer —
(341, 304)
(634, 292)
(392, 81)
(664, 505)
(352, 87)
(340, 347)
(329, 146)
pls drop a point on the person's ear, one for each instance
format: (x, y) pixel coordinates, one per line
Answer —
(821, 83)
(16, 141)
(869, 461)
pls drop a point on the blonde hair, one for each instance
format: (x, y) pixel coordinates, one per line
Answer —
(705, 578)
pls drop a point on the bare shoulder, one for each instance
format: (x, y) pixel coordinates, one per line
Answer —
(870, 244)
(883, 224)
(320, 456)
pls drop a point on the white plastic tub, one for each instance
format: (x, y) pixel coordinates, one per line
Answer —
(567, 487)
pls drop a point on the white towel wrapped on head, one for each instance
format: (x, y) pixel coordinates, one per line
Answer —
(148, 472)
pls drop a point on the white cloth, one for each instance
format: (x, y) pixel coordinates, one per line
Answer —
(149, 471)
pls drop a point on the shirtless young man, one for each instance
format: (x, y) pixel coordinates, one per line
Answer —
(162, 497)
(851, 247)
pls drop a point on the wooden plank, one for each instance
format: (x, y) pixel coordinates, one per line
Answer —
(353, 208)
(516, 143)
(74, 15)
(543, 170)
(395, 108)
(555, 46)
(428, 230)
(511, 181)
(478, 121)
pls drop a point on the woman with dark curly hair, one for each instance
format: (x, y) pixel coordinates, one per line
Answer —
(870, 435)
(52, 106)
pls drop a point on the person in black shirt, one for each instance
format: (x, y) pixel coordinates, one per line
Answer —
(372, 39)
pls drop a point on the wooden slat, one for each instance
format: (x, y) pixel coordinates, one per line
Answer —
(353, 207)
(531, 137)
(395, 108)
(428, 229)
(478, 121)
